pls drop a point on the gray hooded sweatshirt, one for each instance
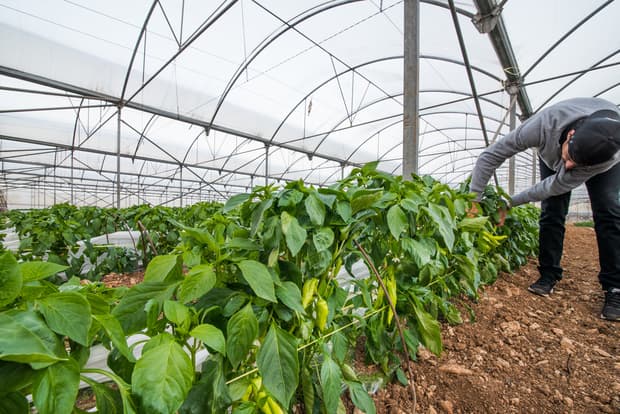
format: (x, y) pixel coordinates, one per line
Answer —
(543, 131)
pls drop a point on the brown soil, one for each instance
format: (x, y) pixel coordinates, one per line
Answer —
(523, 353)
(123, 279)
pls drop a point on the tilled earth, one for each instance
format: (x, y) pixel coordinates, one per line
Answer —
(524, 353)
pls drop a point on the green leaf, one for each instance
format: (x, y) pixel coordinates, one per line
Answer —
(402, 378)
(210, 336)
(245, 407)
(412, 203)
(258, 277)
(272, 233)
(319, 262)
(120, 365)
(364, 199)
(441, 218)
(343, 208)
(257, 215)
(109, 400)
(290, 198)
(24, 337)
(98, 305)
(200, 236)
(165, 268)
(327, 199)
(198, 281)
(473, 224)
(113, 329)
(68, 314)
(131, 312)
(397, 221)
(210, 394)
(331, 382)
(55, 389)
(177, 313)
(162, 378)
(39, 270)
(323, 238)
(235, 201)
(421, 251)
(315, 209)
(340, 347)
(278, 364)
(290, 295)
(360, 397)
(241, 331)
(294, 234)
(14, 403)
(10, 279)
(14, 376)
(369, 167)
(429, 329)
(239, 243)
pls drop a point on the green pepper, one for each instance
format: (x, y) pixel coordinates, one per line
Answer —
(274, 406)
(322, 310)
(308, 291)
(390, 284)
(262, 401)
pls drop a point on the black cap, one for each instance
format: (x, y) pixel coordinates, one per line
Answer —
(597, 139)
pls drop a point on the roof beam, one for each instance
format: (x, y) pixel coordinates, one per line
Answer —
(503, 49)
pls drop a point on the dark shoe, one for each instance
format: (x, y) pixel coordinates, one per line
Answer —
(543, 286)
(611, 309)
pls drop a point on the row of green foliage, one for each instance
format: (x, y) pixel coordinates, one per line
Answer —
(259, 286)
(587, 223)
(53, 233)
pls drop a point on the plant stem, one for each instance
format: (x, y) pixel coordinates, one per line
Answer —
(396, 319)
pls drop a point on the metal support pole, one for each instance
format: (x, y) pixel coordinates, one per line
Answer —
(411, 87)
(118, 159)
(266, 165)
(511, 162)
(180, 185)
(72, 177)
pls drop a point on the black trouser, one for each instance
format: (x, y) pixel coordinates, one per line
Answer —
(604, 192)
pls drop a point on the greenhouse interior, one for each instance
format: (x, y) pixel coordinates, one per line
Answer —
(216, 206)
(168, 103)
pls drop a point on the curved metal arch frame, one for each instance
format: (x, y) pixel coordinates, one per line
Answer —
(421, 91)
(565, 36)
(601, 92)
(289, 25)
(353, 69)
(196, 35)
(424, 115)
(577, 77)
(206, 24)
(381, 100)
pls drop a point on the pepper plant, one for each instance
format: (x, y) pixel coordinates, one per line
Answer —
(258, 292)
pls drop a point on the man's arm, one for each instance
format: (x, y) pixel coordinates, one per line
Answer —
(492, 158)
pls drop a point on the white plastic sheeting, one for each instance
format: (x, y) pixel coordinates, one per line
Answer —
(216, 95)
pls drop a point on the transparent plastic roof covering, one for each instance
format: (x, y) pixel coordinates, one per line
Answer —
(168, 102)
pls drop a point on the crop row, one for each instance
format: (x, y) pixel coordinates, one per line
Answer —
(271, 287)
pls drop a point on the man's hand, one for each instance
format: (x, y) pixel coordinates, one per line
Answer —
(502, 217)
(474, 210)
